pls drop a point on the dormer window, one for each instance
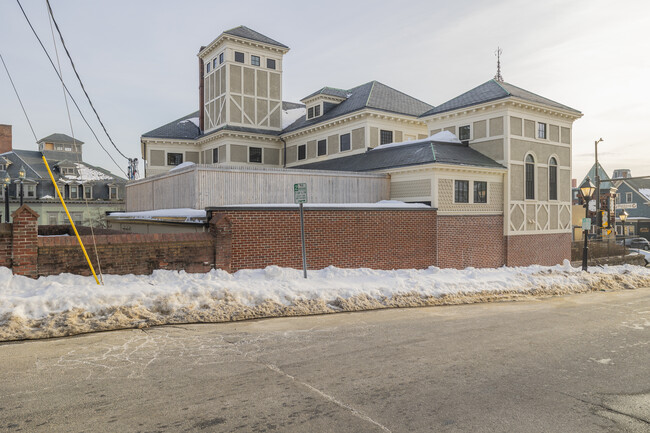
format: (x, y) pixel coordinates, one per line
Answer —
(67, 171)
(313, 112)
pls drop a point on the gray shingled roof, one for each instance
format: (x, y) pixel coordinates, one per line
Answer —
(179, 128)
(60, 139)
(492, 91)
(246, 33)
(417, 153)
(370, 95)
(331, 91)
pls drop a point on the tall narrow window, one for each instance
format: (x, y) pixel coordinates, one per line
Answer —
(322, 147)
(207, 68)
(345, 142)
(530, 178)
(552, 179)
(480, 192)
(302, 152)
(461, 191)
(317, 111)
(310, 113)
(220, 58)
(214, 63)
(215, 155)
(541, 130)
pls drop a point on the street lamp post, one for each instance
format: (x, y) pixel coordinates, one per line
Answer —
(623, 218)
(21, 175)
(6, 181)
(586, 190)
(597, 181)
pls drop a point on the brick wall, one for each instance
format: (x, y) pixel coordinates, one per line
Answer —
(127, 253)
(475, 241)
(24, 250)
(379, 239)
(5, 138)
(544, 249)
(6, 238)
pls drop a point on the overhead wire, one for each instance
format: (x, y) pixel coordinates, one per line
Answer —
(18, 96)
(79, 160)
(74, 68)
(68, 90)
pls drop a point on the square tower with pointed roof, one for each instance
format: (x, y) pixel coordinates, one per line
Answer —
(241, 81)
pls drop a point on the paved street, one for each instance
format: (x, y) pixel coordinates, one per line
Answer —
(573, 364)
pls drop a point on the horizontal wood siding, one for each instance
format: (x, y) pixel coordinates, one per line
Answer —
(206, 186)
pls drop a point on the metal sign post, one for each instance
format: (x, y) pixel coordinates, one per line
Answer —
(300, 197)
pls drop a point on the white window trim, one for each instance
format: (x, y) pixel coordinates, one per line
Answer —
(557, 177)
(629, 197)
(470, 132)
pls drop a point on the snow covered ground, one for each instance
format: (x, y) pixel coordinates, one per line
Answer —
(70, 304)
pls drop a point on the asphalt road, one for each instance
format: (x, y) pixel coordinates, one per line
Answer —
(572, 364)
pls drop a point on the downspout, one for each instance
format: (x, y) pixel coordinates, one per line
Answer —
(201, 100)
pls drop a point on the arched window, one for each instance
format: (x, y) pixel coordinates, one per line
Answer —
(552, 179)
(530, 177)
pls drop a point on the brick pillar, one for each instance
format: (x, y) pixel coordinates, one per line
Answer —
(24, 252)
(221, 228)
(5, 138)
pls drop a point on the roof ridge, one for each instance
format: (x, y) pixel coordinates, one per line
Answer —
(503, 88)
(371, 89)
(405, 94)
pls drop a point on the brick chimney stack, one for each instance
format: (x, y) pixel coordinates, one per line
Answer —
(5, 138)
(574, 183)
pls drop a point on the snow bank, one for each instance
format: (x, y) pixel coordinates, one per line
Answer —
(290, 116)
(69, 304)
(182, 165)
(162, 213)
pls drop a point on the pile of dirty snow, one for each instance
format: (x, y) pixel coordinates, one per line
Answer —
(69, 304)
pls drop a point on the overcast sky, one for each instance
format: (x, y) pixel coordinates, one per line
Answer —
(138, 61)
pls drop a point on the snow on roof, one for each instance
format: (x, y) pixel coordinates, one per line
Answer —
(87, 174)
(194, 120)
(183, 165)
(290, 116)
(645, 192)
(442, 136)
(188, 214)
(380, 204)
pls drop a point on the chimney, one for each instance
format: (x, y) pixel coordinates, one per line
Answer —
(5, 138)
(574, 183)
(201, 100)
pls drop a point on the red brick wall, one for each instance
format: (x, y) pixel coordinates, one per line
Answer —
(24, 250)
(475, 241)
(127, 253)
(546, 249)
(5, 244)
(5, 138)
(379, 239)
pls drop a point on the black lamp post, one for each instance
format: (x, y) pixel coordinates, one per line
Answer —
(586, 190)
(623, 218)
(21, 175)
(6, 181)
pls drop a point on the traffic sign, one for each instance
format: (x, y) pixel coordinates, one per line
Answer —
(300, 193)
(586, 224)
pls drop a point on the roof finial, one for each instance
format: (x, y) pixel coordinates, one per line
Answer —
(497, 53)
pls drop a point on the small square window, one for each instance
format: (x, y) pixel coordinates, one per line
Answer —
(239, 57)
(270, 63)
(541, 130)
(480, 192)
(345, 142)
(255, 154)
(215, 155)
(385, 137)
(461, 191)
(322, 147)
(302, 152)
(463, 133)
(174, 158)
(221, 58)
(255, 60)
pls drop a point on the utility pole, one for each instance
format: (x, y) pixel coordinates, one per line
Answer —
(598, 229)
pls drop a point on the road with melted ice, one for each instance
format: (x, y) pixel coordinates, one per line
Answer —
(577, 363)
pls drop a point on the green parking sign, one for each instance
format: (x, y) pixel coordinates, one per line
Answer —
(300, 193)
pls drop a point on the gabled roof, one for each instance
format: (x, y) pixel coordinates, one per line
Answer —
(60, 139)
(491, 91)
(418, 152)
(331, 91)
(246, 33)
(642, 186)
(604, 178)
(180, 128)
(369, 95)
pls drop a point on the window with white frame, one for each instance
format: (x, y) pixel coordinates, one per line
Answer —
(385, 137)
(322, 147)
(88, 191)
(30, 191)
(628, 197)
(552, 179)
(221, 58)
(530, 177)
(302, 152)
(480, 191)
(345, 142)
(255, 154)
(74, 191)
(541, 130)
(255, 60)
(112, 193)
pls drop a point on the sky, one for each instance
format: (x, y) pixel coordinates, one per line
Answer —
(138, 61)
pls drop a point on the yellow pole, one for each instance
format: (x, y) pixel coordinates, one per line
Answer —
(70, 219)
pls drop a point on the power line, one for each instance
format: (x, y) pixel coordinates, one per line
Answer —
(17, 95)
(56, 25)
(68, 90)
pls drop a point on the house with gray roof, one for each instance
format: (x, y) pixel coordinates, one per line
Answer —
(89, 191)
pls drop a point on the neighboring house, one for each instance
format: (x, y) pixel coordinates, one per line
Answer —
(503, 151)
(89, 191)
(634, 197)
